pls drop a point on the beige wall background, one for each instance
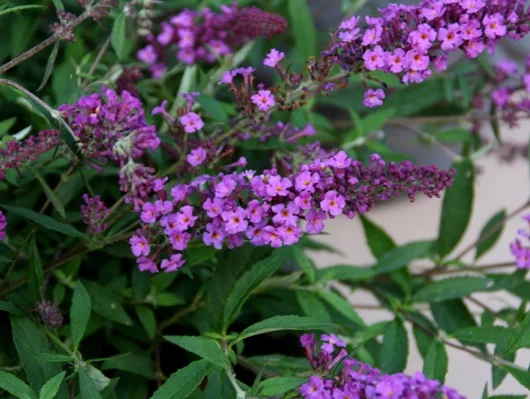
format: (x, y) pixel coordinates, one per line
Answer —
(499, 185)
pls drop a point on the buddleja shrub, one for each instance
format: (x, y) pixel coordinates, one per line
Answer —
(163, 171)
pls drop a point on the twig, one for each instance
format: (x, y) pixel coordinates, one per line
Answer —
(440, 271)
(97, 60)
(41, 46)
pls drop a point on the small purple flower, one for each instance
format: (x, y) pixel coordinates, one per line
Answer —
(278, 186)
(213, 207)
(306, 180)
(139, 246)
(149, 213)
(179, 240)
(160, 109)
(264, 100)
(285, 214)
(373, 98)
(501, 96)
(315, 389)
(147, 55)
(494, 26)
(196, 157)
(372, 36)
(146, 265)
(225, 187)
(273, 58)
(450, 37)
(213, 236)
(333, 203)
(374, 59)
(185, 218)
(227, 78)
(173, 264)
(315, 221)
(192, 122)
(235, 221)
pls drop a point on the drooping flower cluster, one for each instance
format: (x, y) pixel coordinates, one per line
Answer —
(112, 127)
(267, 209)
(359, 380)
(520, 247)
(203, 36)
(94, 213)
(406, 40)
(3, 226)
(16, 153)
(50, 314)
(507, 81)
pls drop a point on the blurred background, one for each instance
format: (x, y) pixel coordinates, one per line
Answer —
(500, 185)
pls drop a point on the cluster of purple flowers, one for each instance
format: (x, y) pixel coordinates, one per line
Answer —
(520, 246)
(507, 81)
(112, 127)
(406, 40)
(267, 209)
(94, 214)
(359, 380)
(16, 153)
(3, 226)
(203, 36)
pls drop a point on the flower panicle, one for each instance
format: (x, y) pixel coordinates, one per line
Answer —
(267, 209)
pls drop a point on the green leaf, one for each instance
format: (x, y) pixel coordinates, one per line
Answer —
(250, 281)
(490, 233)
(400, 257)
(7, 124)
(303, 29)
(484, 335)
(11, 308)
(423, 340)
(79, 313)
(219, 386)
(87, 386)
(168, 299)
(118, 37)
(342, 306)
(394, 351)
(304, 264)
(30, 342)
(181, 384)
(135, 363)
(203, 347)
(378, 239)
(451, 288)
(452, 315)
(465, 90)
(520, 335)
(199, 255)
(457, 135)
(374, 121)
(15, 386)
(45, 221)
(148, 320)
(212, 107)
(52, 197)
(312, 305)
(59, 6)
(405, 101)
(435, 364)
(49, 65)
(107, 304)
(53, 357)
(279, 385)
(456, 208)
(187, 82)
(50, 389)
(20, 8)
(345, 273)
(284, 323)
(35, 274)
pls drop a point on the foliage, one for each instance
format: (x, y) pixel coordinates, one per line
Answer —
(152, 194)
